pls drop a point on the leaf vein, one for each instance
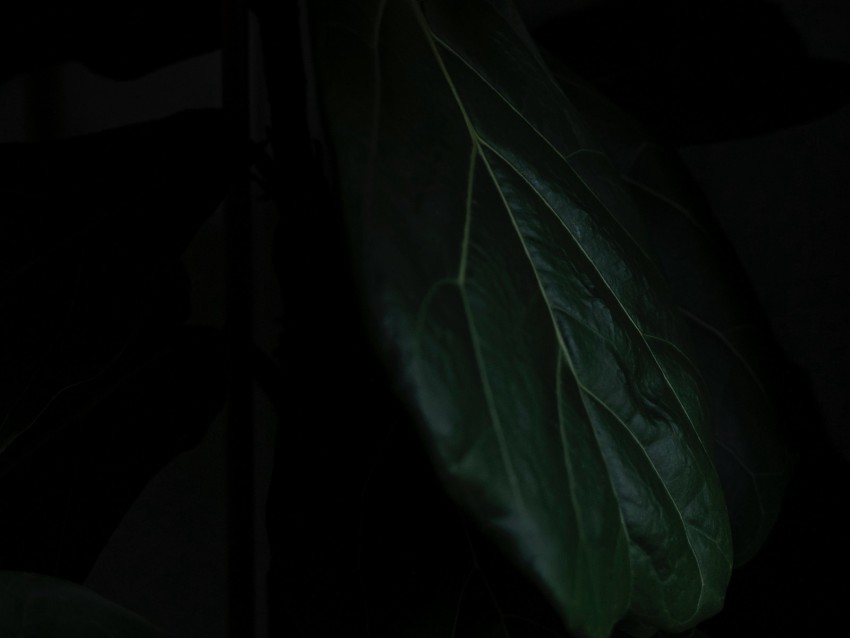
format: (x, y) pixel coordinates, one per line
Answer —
(543, 138)
(594, 268)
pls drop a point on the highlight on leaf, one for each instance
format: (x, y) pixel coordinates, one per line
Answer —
(514, 292)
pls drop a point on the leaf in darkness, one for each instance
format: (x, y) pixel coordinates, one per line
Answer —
(510, 282)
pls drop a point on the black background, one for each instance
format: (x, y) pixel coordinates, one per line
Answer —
(753, 95)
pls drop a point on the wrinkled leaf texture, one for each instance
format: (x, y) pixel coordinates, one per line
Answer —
(731, 338)
(527, 324)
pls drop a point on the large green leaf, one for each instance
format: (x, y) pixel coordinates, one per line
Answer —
(507, 275)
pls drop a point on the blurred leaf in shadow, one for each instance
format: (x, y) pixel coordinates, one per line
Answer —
(65, 487)
(698, 72)
(100, 382)
(36, 605)
(121, 40)
(90, 243)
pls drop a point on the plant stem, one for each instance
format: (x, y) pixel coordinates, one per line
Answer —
(238, 327)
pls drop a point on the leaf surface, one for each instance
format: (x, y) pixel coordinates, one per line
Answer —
(35, 605)
(730, 333)
(525, 322)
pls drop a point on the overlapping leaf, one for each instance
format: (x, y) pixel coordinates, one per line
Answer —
(511, 285)
(730, 335)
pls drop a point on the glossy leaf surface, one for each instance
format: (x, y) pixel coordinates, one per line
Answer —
(730, 334)
(511, 285)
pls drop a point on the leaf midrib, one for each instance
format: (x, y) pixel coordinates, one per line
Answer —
(479, 141)
(479, 144)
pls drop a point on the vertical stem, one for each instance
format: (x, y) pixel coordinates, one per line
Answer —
(299, 191)
(238, 326)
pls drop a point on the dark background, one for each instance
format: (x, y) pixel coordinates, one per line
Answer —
(754, 95)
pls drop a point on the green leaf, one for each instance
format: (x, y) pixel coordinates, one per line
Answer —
(731, 336)
(46, 607)
(509, 280)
